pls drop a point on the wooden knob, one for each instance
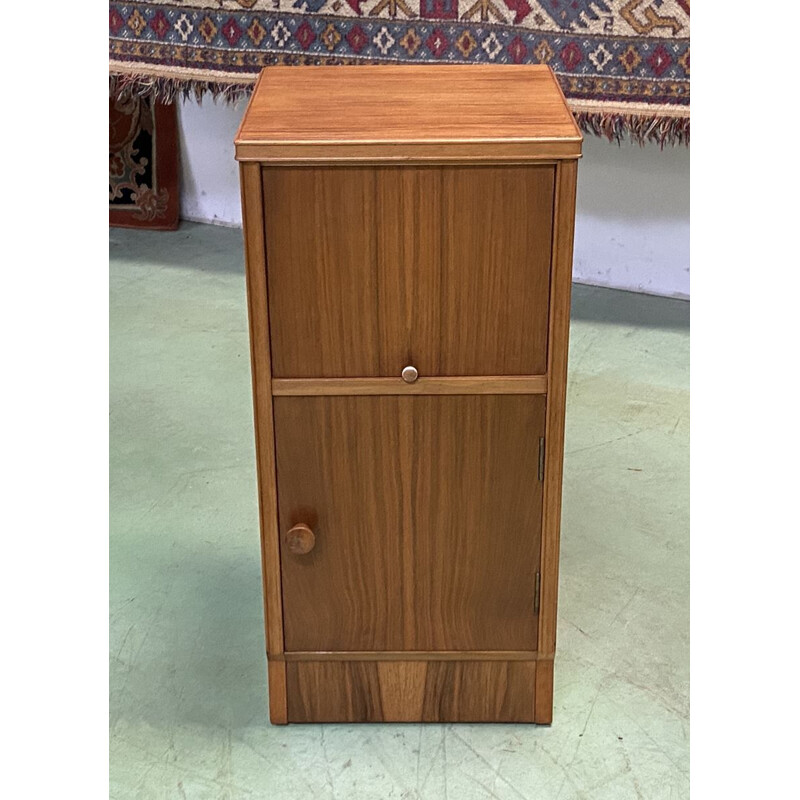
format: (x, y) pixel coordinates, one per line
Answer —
(300, 539)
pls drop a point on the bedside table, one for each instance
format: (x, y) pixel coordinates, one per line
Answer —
(408, 238)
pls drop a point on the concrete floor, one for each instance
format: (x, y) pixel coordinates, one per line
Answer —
(188, 705)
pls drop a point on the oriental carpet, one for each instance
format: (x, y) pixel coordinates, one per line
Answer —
(623, 64)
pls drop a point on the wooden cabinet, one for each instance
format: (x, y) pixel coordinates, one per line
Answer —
(408, 236)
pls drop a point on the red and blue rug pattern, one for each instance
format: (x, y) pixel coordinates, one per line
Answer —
(142, 164)
(623, 64)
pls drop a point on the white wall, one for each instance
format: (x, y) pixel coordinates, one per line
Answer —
(632, 228)
(632, 225)
(209, 177)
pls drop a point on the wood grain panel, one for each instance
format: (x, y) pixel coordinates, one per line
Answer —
(409, 270)
(476, 520)
(338, 474)
(371, 270)
(489, 691)
(428, 691)
(334, 691)
(321, 240)
(497, 228)
(402, 689)
(254, 248)
(391, 112)
(427, 514)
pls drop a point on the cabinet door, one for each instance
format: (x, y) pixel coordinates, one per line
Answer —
(445, 268)
(426, 512)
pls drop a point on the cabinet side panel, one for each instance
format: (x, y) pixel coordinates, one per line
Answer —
(558, 340)
(255, 257)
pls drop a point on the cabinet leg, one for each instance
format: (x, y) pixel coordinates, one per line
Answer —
(278, 714)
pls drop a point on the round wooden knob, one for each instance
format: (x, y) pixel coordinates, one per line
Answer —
(409, 374)
(300, 539)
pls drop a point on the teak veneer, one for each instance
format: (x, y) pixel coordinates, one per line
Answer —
(408, 239)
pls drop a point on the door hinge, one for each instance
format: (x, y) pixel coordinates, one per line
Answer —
(537, 592)
(541, 458)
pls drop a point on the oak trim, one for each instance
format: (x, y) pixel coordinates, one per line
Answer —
(413, 655)
(256, 276)
(511, 384)
(489, 151)
(558, 346)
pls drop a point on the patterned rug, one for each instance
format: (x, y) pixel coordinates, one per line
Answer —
(623, 64)
(142, 164)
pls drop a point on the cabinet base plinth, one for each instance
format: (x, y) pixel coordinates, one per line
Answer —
(419, 691)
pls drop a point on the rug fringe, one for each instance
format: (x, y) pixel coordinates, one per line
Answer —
(615, 127)
(168, 90)
(640, 129)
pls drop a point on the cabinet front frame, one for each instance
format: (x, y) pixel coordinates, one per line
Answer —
(553, 383)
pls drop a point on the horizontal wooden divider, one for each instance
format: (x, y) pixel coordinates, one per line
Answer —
(413, 655)
(510, 384)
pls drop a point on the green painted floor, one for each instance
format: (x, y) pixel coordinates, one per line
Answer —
(188, 705)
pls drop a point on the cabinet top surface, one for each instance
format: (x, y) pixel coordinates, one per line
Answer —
(397, 113)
